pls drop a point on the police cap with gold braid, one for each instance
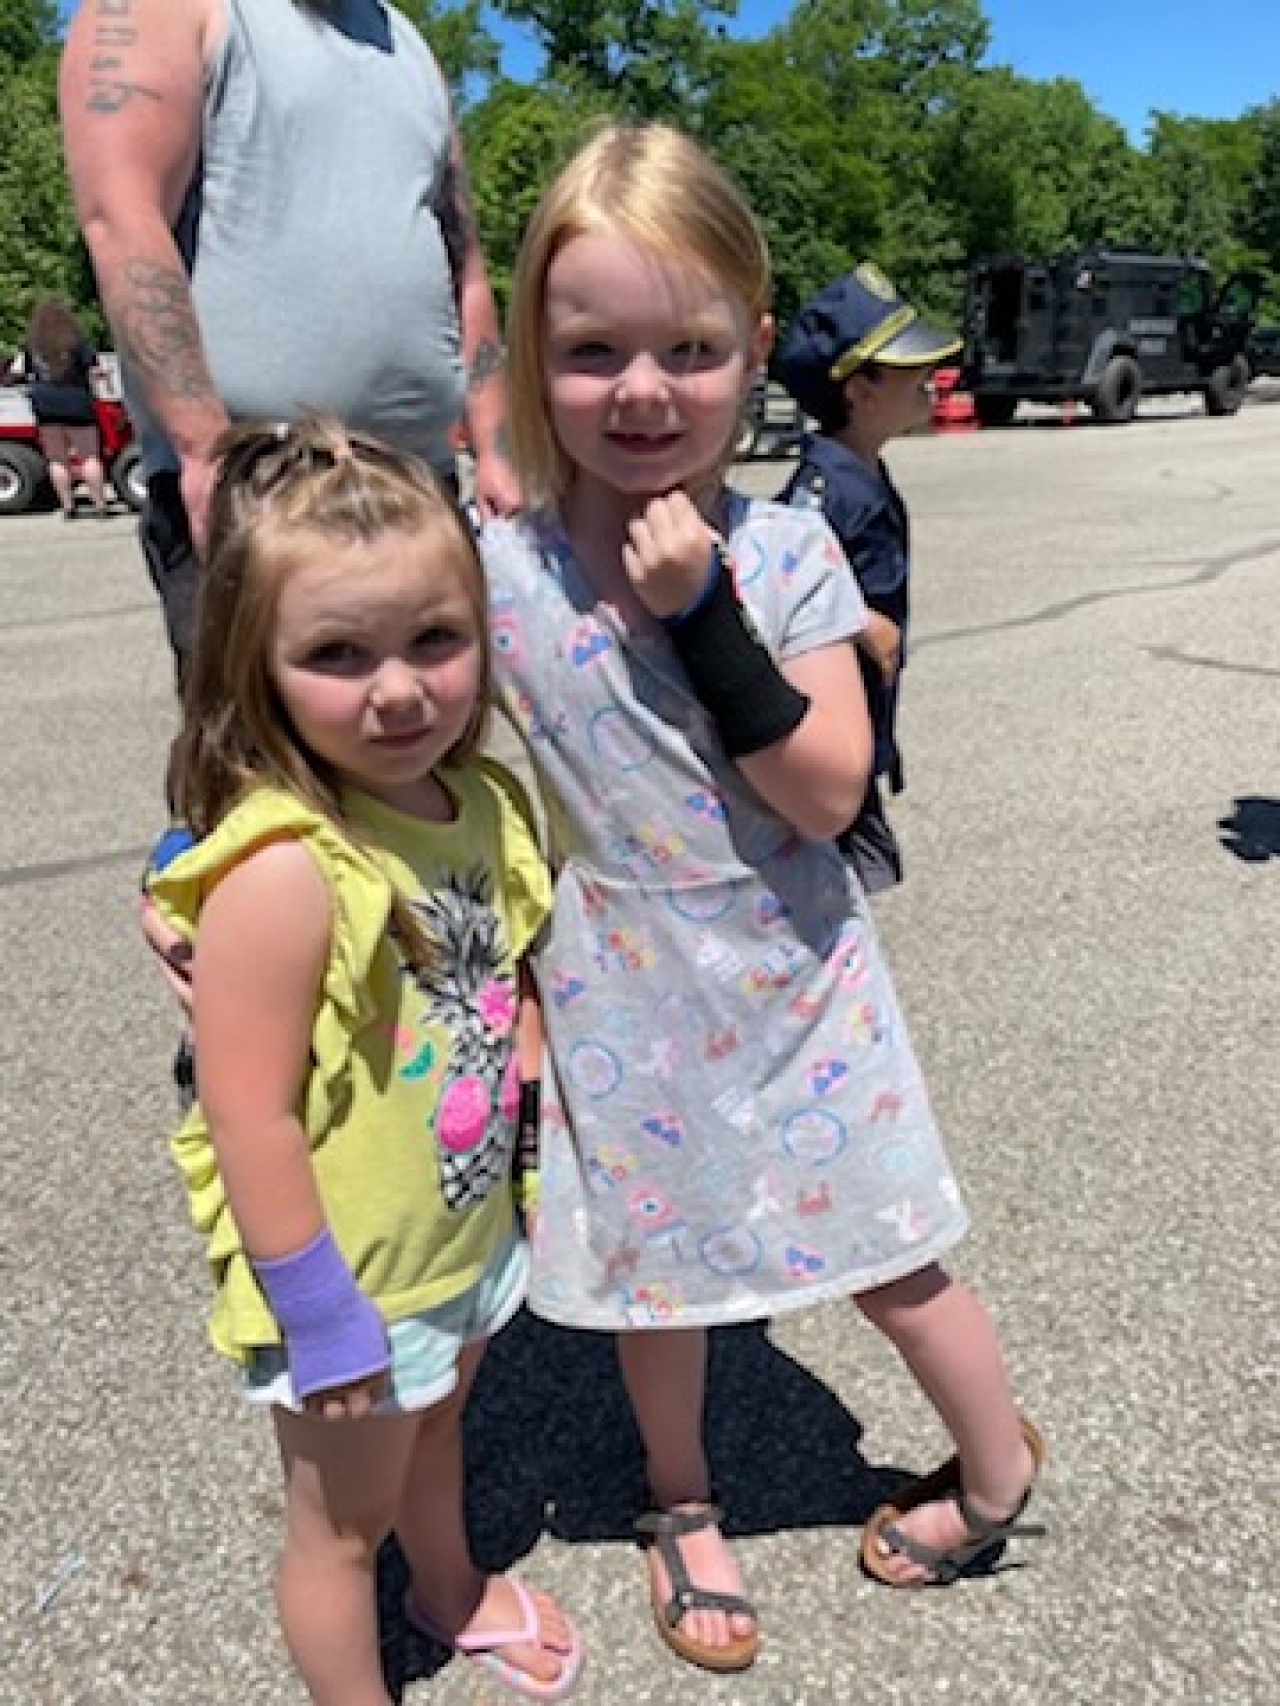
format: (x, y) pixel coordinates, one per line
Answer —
(857, 319)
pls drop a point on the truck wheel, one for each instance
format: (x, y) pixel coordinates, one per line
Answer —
(1119, 391)
(994, 408)
(128, 479)
(1227, 385)
(22, 473)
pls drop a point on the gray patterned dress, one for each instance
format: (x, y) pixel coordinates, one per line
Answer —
(734, 1121)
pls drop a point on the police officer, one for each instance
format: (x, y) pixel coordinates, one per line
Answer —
(860, 360)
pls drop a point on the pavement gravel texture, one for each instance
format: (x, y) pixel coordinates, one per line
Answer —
(1086, 947)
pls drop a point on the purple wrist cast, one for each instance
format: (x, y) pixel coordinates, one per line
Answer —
(332, 1333)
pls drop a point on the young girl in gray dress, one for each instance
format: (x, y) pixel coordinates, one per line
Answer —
(734, 1121)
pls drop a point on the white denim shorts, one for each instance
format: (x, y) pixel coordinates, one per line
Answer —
(424, 1347)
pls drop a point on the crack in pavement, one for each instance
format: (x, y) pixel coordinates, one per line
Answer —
(1055, 612)
(1171, 654)
(69, 618)
(13, 876)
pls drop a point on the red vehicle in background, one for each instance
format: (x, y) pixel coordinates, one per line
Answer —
(24, 478)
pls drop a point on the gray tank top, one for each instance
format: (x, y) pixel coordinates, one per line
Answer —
(318, 268)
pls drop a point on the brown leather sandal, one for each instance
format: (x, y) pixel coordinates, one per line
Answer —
(663, 1530)
(945, 1565)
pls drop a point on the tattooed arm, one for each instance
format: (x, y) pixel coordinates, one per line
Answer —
(497, 491)
(131, 97)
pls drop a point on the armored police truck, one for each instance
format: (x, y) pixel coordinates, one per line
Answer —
(1105, 327)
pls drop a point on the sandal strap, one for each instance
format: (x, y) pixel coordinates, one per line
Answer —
(693, 1598)
(986, 1529)
(483, 1641)
(658, 1523)
(490, 1640)
(947, 1564)
(663, 1528)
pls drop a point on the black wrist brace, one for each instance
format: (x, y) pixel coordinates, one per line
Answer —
(526, 1152)
(746, 695)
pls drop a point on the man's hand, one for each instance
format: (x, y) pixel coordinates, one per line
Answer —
(668, 554)
(198, 475)
(497, 491)
(172, 951)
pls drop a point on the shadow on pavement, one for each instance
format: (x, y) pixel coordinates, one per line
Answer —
(551, 1447)
(1252, 831)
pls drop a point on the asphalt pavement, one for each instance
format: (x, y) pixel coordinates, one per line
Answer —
(1086, 946)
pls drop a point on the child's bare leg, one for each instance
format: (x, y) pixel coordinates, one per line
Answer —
(342, 1484)
(430, 1525)
(945, 1337)
(666, 1376)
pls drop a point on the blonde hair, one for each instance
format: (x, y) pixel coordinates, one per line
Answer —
(276, 483)
(657, 188)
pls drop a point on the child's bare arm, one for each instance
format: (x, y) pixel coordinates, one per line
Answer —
(263, 941)
(263, 947)
(817, 777)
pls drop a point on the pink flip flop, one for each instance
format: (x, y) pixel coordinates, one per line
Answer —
(482, 1648)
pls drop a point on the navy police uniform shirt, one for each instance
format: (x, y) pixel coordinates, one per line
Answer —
(865, 510)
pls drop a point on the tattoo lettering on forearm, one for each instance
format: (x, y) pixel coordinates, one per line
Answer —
(110, 86)
(157, 325)
(487, 358)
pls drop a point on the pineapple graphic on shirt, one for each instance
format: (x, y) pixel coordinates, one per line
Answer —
(471, 997)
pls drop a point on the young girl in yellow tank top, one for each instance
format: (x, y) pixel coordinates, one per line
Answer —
(364, 889)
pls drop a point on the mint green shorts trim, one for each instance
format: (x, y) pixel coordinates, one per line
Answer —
(424, 1347)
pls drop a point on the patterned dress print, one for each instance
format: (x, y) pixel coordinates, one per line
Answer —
(734, 1120)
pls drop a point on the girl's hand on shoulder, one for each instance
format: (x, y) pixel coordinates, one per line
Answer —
(668, 554)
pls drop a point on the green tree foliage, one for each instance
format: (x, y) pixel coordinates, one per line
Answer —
(516, 140)
(768, 122)
(40, 249)
(27, 29)
(1260, 213)
(467, 50)
(645, 58)
(1193, 214)
(1034, 166)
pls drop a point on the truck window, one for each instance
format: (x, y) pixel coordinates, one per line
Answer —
(1236, 301)
(1192, 295)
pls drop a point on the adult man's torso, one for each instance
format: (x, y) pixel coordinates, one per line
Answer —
(319, 270)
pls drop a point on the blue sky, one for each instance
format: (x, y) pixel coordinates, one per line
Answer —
(1197, 58)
